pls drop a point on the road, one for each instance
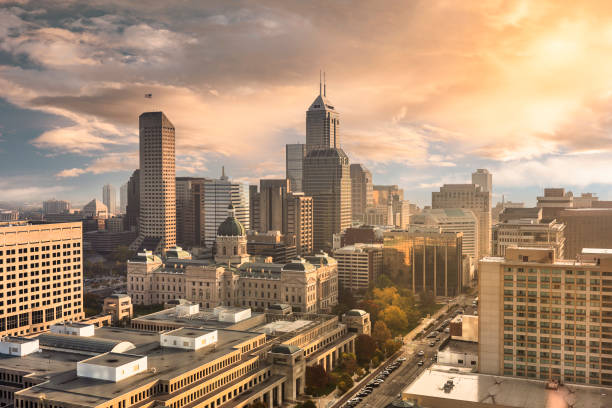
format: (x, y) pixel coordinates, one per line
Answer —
(409, 370)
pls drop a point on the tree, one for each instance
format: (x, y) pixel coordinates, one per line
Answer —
(427, 300)
(348, 363)
(306, 404)
(381, 333)
(257, 404)
(345, 383)
(365, 348)
(391, 346)
(317, 379)
(395, 319)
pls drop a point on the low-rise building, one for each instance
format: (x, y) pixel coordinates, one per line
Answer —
(119, 305)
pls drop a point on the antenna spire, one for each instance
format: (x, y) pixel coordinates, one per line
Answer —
(319, 82)
(223, 173)
(324, 85)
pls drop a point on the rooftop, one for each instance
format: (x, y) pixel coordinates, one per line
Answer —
(112, 359)
(190, 332)
(509, 392)
(203, 318)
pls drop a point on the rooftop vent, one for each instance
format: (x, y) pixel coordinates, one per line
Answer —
(73, 329)
(18, 346)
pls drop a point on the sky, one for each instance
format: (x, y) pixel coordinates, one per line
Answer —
(428, 91)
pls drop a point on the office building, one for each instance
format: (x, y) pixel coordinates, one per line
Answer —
(218, 195)
(585, 200)
(553, 202)
(524, 227)
(298, 222)
(322, 124)
(41, 274)
(123, 194)
(157, 222)
(190, 227)
(472, 197)
(119, 306)
(389, 207)
(132, 211)
(105, 242)
(379, 215)
(365, 234)
(55, 207)
(586, 228)
(95, 209)
(483, 178)
(212, 359)
(272, 195)
(425, 259)
(501, 206)
(327, 180)
(109, 198)
(361, 191)
(115, 224)
(453, 220)
(546, 318)
(277, 247)
(359, 265)
(9, 215)
(294, 162)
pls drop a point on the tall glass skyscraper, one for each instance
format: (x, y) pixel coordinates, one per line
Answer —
(322, 124)
(294, 164)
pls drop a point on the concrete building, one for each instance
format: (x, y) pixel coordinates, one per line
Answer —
(322, 124)
(218, 194)
(379, 215)
(95, 209)
(546, 318)
(359, 265)
(458, 353)
(294, 162)
(119, 306)
(54, 206)
(115, 224)
(529, 232)
(358, 321)
(585, 200)
(217, 363)
(389, 207)
(365, 234)
(42, 278)
(553, 202)
(123, 194)
(157, 222)
(327, 180)
(298, 221)
(109, 198)
(586, 228)
(472, 197)
(425, 259)
(105, 242)
(272, 244)
(501, 206)
(361, 191)
(132, 211)
(190, 215)
(444, 387)
(452, 220)
(269, 203)
(483, 178)
(308, 284)
(9, 215)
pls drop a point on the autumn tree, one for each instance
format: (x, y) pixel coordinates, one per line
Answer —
(381, 333)
(317, 379)
(395, 319)
(365, 349)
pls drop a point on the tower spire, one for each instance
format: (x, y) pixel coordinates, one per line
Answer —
(324, 85)
(223, 176)
(319, 82)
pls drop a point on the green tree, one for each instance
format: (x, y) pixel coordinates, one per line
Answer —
(395, 319)
(345, 382)
(348, 363)
(365, 348)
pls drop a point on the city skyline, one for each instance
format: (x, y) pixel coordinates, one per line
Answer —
(413, 117)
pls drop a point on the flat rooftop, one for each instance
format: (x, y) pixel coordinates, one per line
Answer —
(283, 326)
(483, 390)
(113, 359)
(190, 332)
(204, 318)
(460, 346)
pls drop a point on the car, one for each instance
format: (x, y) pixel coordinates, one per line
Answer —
(402, 359)
(431, 344)
(421, 353)
(386, 372)
(447, 330)
(420, 363)
(379, 381)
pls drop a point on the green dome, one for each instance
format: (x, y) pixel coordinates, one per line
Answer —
(231, 227)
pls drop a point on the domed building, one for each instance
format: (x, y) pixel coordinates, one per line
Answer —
(231, 242)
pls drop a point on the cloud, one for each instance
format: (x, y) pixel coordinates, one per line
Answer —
(74, 139)
(25, 188)
(109, 163)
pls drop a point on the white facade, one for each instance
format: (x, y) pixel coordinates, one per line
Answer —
(458, 358)
(112, 366)
(83, 330)
(188, 338)
(18, 347)
(218, 195)
(109, 198)
(187, 309)
(232, 314)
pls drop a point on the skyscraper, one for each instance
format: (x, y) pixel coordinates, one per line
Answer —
(157, 224)
(109, 198)
(361, 191)
(327, 180)
(54, 206)
(294, 163)
(190, 211)
(132, 211)
(218, 195)
(123, 193)
(272, 195)
(322, 123)
(297, 221)
(483, 178)
(473, 197)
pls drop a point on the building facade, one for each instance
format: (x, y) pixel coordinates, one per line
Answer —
(298, 221)
(426, 260)
(109, 198)
(132, 211)
(361, 191)
(190, 215)
(218, 194)
(157, 221)
(123, 194)
(472, 197)
(322, 124)
(327, 180)
(546, 318)
(42, 278)
(529, 232)
(359, 265)
(586, 228)
(294, 162)
(553, 202)
(55, 207)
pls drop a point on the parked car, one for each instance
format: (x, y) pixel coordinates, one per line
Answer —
(431, 344)
(420, 363)
(421, 353)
